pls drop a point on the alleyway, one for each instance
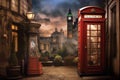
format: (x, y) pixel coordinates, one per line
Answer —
(62, 73)
(57, 73)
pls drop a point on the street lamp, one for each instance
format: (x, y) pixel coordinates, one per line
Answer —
(34, 66)
(30, 15)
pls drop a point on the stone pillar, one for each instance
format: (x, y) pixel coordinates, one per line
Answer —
(34, 65)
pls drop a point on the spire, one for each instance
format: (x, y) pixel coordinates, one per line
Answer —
(69, 11)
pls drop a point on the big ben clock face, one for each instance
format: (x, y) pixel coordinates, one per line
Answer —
(69, 18)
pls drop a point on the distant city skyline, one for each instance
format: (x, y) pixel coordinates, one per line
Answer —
(52, 13)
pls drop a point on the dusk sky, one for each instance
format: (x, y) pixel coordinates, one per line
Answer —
(52, 13)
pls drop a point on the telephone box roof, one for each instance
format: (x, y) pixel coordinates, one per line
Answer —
(89, 9)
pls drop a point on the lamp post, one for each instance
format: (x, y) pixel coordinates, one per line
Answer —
(34, 67)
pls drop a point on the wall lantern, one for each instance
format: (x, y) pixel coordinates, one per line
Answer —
(30, 15)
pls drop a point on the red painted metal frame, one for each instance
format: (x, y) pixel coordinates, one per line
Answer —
(83, 68)
(34, 66)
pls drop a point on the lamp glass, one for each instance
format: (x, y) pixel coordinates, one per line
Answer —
(30, 15)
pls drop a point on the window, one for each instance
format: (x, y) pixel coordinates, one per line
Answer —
(41, 46)
(93, 44)
(14, 5)
(47, 47)
(3, 3)
(23, 7)
(15, 37)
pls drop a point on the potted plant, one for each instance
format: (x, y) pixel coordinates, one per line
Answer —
(58, 60)
(75, 61)
(13, 69)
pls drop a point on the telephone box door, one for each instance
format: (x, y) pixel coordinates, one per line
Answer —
(94, 46)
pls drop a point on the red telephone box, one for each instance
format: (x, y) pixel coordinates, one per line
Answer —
(91, 41)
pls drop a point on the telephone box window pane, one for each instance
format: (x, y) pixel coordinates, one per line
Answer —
(93, 27)
(93, 60)
(98, 45)
(88, 39)
(99, 27)
(88, 27)
(93, 51)
(99, 33)
(88, 51)
(88, 45)
(93, 33)
(88, 33)
(93, 39)
(99, 50)
(93, 45)
(99, 39)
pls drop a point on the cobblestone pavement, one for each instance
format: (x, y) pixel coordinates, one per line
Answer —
(57, 73)
(63, 73)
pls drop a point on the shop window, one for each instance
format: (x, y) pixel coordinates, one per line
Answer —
(15, 37)
(23, 7)
(14, 5)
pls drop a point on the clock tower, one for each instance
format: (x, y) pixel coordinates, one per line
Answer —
(69, 24)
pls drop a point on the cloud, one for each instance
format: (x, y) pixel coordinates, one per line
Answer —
(52, 13)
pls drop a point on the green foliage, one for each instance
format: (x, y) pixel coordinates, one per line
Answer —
(45, 54)
(13, 61)
(58, 58)
(75, 60)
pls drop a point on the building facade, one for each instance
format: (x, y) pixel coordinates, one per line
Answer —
(113, 36)
(44, 44)
(12, 14)
(53, 43)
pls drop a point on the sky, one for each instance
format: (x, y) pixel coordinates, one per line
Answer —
(52, 14)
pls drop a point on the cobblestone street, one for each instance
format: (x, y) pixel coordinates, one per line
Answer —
(57, 73)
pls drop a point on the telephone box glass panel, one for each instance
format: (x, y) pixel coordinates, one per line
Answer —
(93, 44)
